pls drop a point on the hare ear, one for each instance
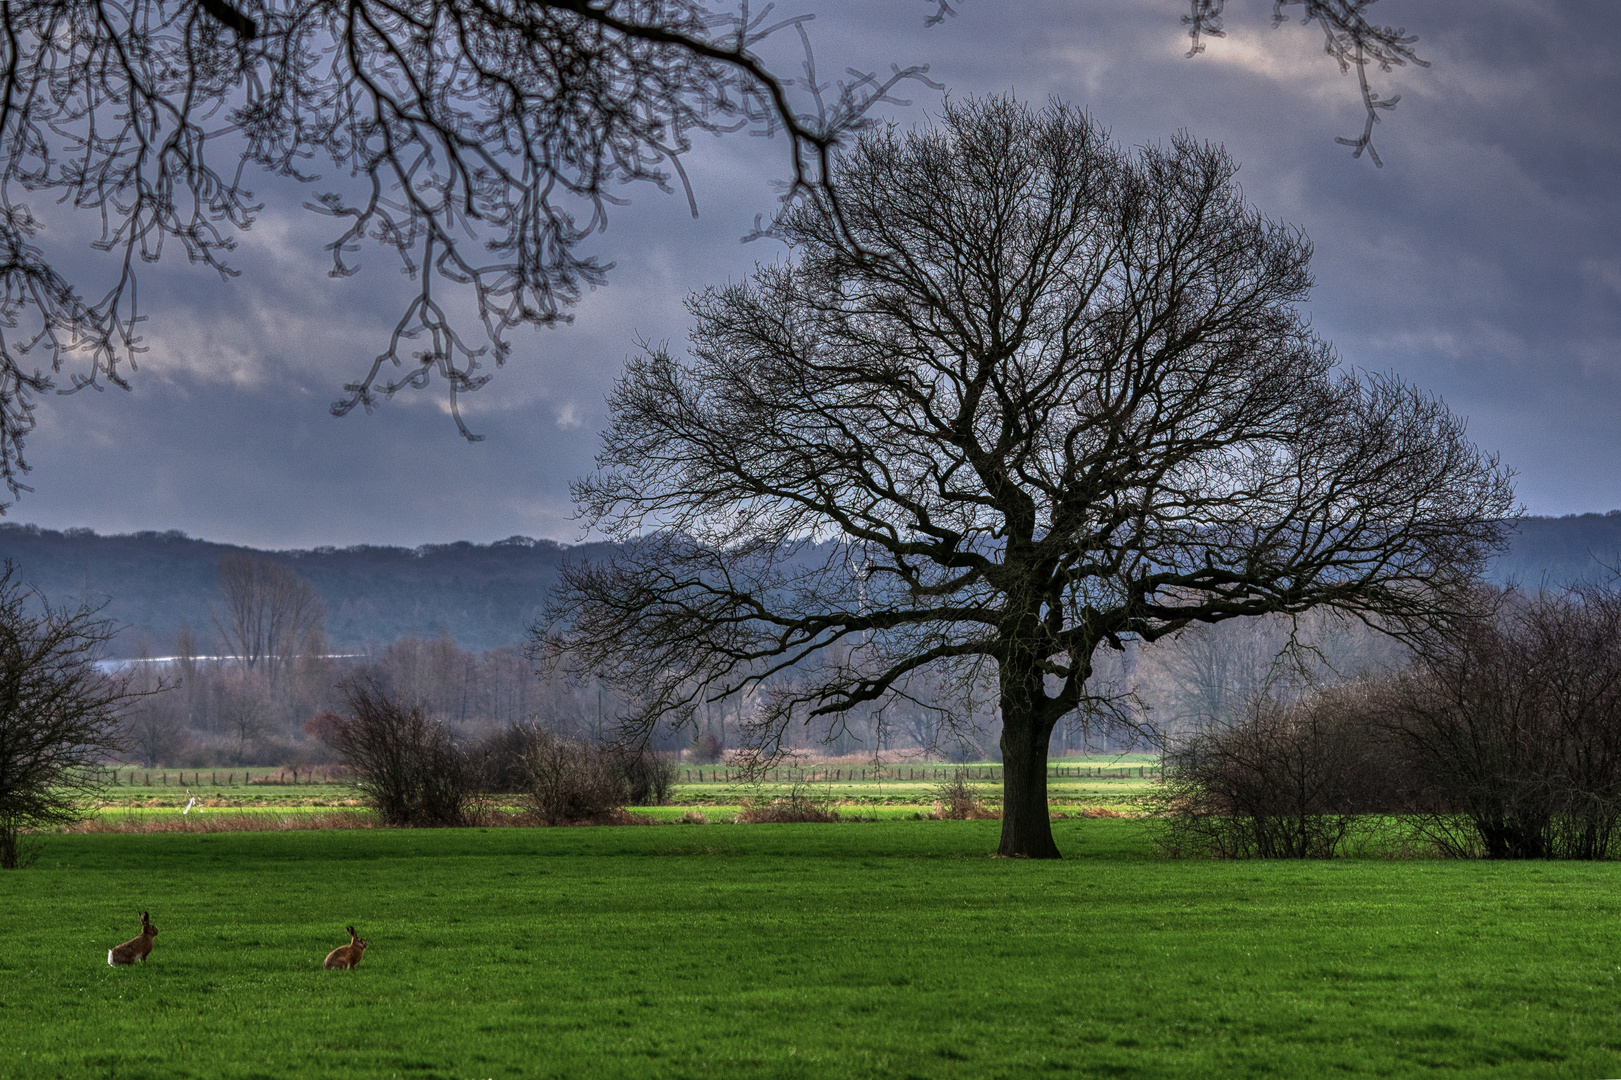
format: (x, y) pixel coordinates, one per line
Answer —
(351, 931)
(144, 918)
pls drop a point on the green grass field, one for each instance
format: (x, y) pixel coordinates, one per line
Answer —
(1114, 782)
(887, 949)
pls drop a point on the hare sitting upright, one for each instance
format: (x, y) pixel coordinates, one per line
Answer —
(136, 948)
(347, 956)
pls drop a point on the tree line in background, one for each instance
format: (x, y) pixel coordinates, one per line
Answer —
(1297, 737)
(247, 692)
(1284, 736)
(250, 691)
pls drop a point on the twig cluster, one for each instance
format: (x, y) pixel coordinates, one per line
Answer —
(479, 142)
(1348, 37)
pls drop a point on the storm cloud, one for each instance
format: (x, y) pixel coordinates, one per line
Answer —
(1483, 262)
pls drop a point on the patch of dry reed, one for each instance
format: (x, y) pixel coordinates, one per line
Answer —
(226, 822)
(334, 819)
(1094, 812)
(792, 810)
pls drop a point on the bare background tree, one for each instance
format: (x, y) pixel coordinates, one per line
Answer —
(1208, 676)
(219, 712)
(155, 723)
(272, 613)
(59, 715)
(1040, 396)
(478, 144)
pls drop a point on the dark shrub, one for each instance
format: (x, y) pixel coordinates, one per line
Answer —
(503, 767)
(1512, 730)
(408, 766)
(648, 777)
(566, 780)
(1287, 780)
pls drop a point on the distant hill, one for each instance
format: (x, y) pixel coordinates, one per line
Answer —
(1562, 550)
(485, 596)
(482, 595)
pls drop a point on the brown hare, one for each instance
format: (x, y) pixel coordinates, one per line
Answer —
(136, 948)
(347, 956)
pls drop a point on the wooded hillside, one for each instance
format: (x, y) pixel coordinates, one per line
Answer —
(484, 596)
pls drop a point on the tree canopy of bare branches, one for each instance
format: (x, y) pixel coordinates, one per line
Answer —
(1025, 396)
(272, 612)
(477, 143)
(59, 715)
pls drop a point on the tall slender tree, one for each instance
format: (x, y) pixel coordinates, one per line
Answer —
(1022, 396)
(272, 613)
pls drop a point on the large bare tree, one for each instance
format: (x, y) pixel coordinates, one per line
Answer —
(1025, 396)
(478, 143)
(59, 714)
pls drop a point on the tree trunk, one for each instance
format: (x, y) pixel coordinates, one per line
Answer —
(1027, 831)
(8, 847)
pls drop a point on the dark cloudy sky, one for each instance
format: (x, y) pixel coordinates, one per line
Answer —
(1482, 262)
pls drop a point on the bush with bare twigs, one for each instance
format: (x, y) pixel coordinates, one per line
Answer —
(958, 800)
(571, 780)
(1286, 780)
(796, 808)
(1511, 728)
(59, 713)
(409, 768)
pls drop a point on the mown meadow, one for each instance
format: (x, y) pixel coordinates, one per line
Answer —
(862, 949)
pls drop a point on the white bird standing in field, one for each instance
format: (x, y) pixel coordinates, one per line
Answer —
(189, 804)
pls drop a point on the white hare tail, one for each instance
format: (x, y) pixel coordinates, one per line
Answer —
(109, 958)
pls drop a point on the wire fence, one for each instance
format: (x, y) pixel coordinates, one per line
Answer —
(219, 778)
